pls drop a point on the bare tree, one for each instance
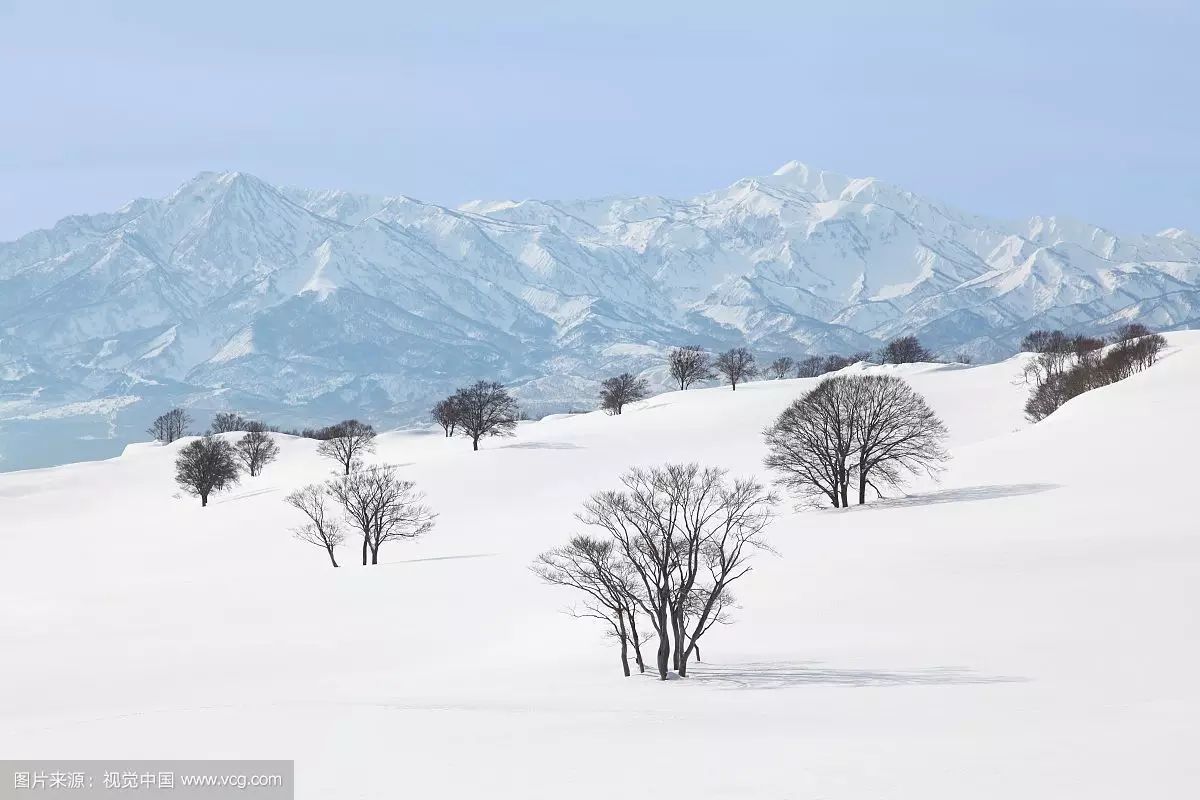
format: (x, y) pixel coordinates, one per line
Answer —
(895, 432)
(229, 422)
(485, 409)
(594, 567)
(736, 365)
(685, 533)
(809, 446)
(349, 441)
(688, 365)
(810, 367)
(257, 448)
(1044, 341)
(381, 507)
(718, 527)
(321, 529)
(618, 392)
(782, 367)
(445, 413)
(1130, 331)
(904, 350)
(170, 426)
(205, 466)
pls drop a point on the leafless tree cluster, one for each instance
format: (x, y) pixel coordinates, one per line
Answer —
(736, 365)
(347, 443)
(668, 547)
(689, 365)
(618, 392)
(170, 426)
(904, 350)
(211, 463)
(854, 430)
(782, 367)
(1065, 366)
(229, 422)
(816, 366)
(206, 465)
(445, 413)
(374, 501)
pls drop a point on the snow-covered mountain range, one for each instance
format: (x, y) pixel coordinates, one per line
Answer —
(307, 306)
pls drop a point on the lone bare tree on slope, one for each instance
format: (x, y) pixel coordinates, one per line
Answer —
(736, 365)
(618, 392)
(896, 432)
(809, 445)
(868, 429)
(485, 409)
(257, 448)
(321, 529)
(689, 365)
(905, 350)
(170, 426)
(205, 466)
(350, 441)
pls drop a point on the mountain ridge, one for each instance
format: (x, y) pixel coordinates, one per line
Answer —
(318, 304)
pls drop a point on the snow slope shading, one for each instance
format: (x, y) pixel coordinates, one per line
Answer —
(1026, 628)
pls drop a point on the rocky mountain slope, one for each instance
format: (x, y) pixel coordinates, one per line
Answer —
(307, 306)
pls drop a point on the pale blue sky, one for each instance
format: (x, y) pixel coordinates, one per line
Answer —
(1007, 108)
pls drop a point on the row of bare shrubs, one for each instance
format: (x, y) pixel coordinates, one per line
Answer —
(1067, 366)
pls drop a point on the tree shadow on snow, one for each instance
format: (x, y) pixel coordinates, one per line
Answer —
(788, 675)
(541, 446)
(965, 494)
(244, 495)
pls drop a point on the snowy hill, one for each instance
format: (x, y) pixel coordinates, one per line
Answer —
(1026, 628)
(309, 306)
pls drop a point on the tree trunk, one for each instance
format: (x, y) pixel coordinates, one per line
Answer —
(624, 643)
(679, 635)
(375, 554)
(203, 499)
(664, 643)
(364, 551)
(637, 642)
(474, 442)
(331, 556)
(845, 495)
(862, 485)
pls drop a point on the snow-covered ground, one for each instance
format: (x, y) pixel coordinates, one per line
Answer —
(1026, 629)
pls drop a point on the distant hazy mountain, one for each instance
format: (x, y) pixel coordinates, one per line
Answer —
(308, 306)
